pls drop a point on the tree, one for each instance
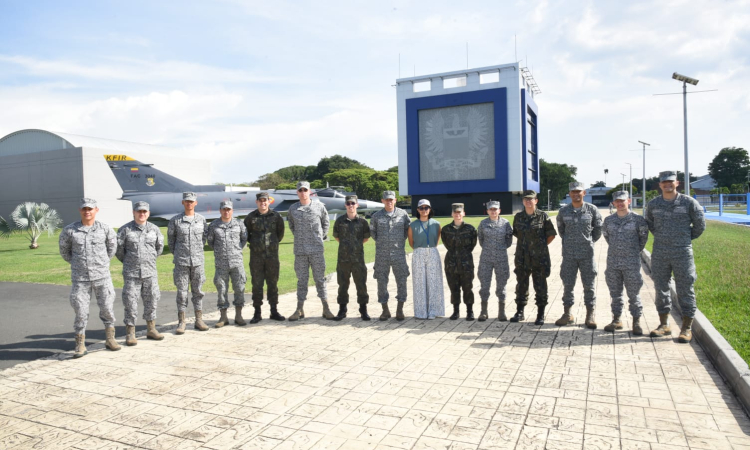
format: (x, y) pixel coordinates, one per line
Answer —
(366, 183)
(327, 165)
(393, 169)
(730, 166)
(622, 187)
(269, 181)
(738, 188)
(650, 195)
(555, 177)
(297, 173)
(599, 184)
(32, 218)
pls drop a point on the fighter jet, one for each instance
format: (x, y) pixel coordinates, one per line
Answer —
(163, 192)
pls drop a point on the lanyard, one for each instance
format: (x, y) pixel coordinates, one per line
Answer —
(427, 231)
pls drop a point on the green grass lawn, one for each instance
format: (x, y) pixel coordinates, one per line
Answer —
(723, 286)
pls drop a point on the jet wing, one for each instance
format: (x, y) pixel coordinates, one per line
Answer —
(209, 215)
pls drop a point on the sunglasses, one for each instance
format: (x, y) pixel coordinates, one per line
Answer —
(424, 208)
(351, 203)
(302, 190)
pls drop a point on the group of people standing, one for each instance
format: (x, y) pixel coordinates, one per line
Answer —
(674, 219)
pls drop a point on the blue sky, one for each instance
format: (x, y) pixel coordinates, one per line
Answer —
(260, 85)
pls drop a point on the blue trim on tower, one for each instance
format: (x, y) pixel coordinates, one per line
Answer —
(527, 102)
(500, 183)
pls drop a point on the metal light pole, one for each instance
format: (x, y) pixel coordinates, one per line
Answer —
(623, 180)
(685, 80)
(548, 203)
(631, 179)
(644, 175)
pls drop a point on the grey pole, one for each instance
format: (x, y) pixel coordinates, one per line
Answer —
(548, 201)
(631, 179)
(644, 176)
(684, 111)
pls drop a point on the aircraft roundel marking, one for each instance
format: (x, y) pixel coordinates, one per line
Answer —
(271, 200)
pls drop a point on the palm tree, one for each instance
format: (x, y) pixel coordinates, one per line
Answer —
(32, 218)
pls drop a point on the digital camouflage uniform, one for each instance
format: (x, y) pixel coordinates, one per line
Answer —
(532, 255)
(309, 224)
(495, 237)
(227, 240)
(626, 237)
(89, 250)
(351, 257)
(137, 248)
(459, 262)
(264, 233)
(186, 239)
(390, 232)
(579, 229)
(674, 225)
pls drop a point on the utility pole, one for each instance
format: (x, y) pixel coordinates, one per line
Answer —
(644, 175)
(631, 180)
(685, 80)
(549, 190)
(623, 180)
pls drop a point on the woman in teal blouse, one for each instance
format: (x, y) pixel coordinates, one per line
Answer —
(426, 267)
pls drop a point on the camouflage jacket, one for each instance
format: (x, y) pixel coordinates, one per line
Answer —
(390, 231)
(675, 223)
(186, 239)
(579, 230)
(137, 248)
(460, 242)
(495, 238)
(227, 240)
(350, 234)
(627, 237)
(264, 232)
(88, 250)
(309, 225)
(531, 232)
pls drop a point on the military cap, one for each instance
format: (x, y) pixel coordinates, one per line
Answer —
(189, 196)
(424, 201)
(351, 198)
(88, 203)
(141, 206)
(529, 194)
(303, 184)
(493, 204)
(576, 186)
(226, 204)
(457, 207)
(262, 194)
(389, 194)
(667, 175)
(620, 195)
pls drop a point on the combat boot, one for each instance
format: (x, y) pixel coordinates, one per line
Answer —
(199, 324)
(590, 320)
(151, 332)
(455, 314)
(223, 320)
(400, 311)
(327, 314)
(469, 312)
(130, 339)
(110, 341)
(519, 315)
(386, 312)
(539, 316)
(501, 313)
(615, 325)
(483, 312)
(80, 346)
(238, 320)
(663, 328)
(275, 314)
(637, 330)
(341, 314)
(686, 333)
(566, 319)
(363, 312)
(256, 315)
(180, 323)
(299, 313)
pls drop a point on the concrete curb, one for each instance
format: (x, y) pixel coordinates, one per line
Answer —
(726, 360)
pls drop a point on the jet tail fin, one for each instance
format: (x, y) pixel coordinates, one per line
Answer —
(136, 177)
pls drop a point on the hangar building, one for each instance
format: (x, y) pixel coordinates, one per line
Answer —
(60, 168)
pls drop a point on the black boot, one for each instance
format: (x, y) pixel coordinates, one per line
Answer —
(342, 313)
(469, 312)
(256, 316)
(275, 314)
(454, 316)
(519, 315)
(363, 312)
(539, 316)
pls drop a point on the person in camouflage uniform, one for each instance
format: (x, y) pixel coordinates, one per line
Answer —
(139, 243)
(227, 238)
(88, 245)
(186, 237)
(626, 234)
(308, 222)
(459, 239)
(351, 232)
(389, 227)
(265, 230)
(580, 226)
(534, 232)
(495, 236)
(675, 220)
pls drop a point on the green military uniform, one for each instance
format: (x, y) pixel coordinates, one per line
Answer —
(459, 262)
(350, 234)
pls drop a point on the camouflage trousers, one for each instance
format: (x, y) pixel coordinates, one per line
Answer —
(302, 265)
(569, 272)
(381, 272)
(539, 276)
(144, 288)
(221, 281)
(358, 272)
(80, 297)
(264, 270)
(665, 262)
(630, 278)
(484, 273)
(192, 277)
(460, 281)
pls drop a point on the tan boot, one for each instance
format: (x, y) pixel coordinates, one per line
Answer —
(199, 324)
(80, 346)
(299, 313)
(483, 313)
(238, 320)
(590, 320)
(637, 330)
(223, 320)
(566, 319)
(615, 325)
(386, 312)
(400, 311)
(110, 341)
(686, 333)
(663, 328)
(130, 339)
(501, 313)
(327, 314)
(180, 323)
(151, 332)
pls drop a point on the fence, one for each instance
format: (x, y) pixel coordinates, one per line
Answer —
(725, 203)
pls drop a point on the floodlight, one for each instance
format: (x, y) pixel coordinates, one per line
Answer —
(684, 78)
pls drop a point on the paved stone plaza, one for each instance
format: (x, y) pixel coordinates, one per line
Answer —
(436, 384)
